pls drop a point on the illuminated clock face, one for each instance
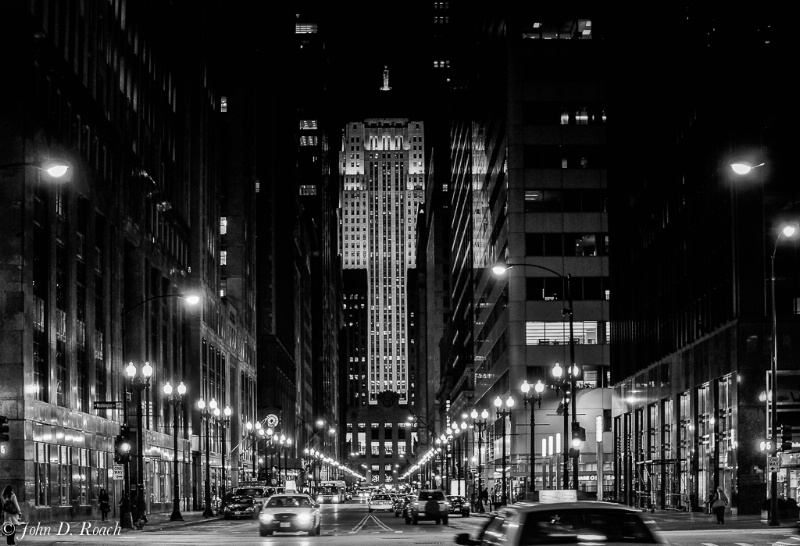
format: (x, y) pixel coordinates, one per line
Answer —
(387, 401)
(272, 420)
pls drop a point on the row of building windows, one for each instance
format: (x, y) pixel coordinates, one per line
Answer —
(566, 244)
(566, 200)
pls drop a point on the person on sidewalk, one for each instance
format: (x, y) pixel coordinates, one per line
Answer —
(11, 513)
(719, 504)
(105, 506)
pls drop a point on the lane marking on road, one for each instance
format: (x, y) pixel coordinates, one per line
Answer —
(360, 524)
(742, 544)
(382, 525)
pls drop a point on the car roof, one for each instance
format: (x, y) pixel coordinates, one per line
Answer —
(290, 495)
(539, 506)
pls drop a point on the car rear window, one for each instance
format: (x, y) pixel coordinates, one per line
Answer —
(288, 501)
(572, 526)
(251, 491)
(428, 495)
(380, 497)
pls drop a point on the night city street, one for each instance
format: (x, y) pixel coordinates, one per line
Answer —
(321, 261)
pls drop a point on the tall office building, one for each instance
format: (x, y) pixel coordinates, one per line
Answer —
(691, 304)
(382, 170)
(528, 185)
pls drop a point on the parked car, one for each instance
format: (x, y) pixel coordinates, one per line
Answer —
(288, 514)
(565, 523)
(259, 494)
(380, 501)
(239, 506)
(458, 505)
(429, 504)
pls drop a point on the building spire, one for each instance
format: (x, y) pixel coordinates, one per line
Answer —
(386, 79)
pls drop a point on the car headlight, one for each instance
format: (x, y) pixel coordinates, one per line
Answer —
(304, 518)
(319, 498)
(248, 509)
(336, 498)
(266, 517)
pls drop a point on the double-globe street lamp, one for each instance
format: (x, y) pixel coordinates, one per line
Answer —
(224, 419)
(500, 269)
(534, 399)
(502, 414)
(175, 397)
(256, 432)
(206, 412)
(139, 383)
(479, 426)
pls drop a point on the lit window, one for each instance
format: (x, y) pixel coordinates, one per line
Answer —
(223, 257)
(223, 225)
(223, 104)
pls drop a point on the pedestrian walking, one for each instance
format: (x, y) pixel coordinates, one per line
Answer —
(11, 513)
(104, 501)
(719, 504)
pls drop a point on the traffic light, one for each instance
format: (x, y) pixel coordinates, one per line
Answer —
(122, 446)
(786, 437)
(578, 437)
(4, 428)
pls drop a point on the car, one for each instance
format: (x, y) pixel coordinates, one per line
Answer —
(578, 522)
(380, 501)
(429, 504)
(259, 494)
(286, 513)
(401, 504)
(458, 505)
(239, 506)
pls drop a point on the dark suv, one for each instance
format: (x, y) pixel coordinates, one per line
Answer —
(429, 504)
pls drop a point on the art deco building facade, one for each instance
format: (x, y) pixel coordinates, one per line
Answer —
(94, 268)
(382, 170)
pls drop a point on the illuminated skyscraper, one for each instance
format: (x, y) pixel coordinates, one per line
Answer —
(382, 167)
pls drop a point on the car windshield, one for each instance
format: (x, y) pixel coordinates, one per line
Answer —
(572, 526)
(241, 499)
(288, 501)
(250, 491)
(431, 495)
(380, 497)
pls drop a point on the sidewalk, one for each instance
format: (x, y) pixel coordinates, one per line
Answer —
(156, 522)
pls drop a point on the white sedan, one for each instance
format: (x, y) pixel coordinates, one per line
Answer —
(289, 514)
(381, 501)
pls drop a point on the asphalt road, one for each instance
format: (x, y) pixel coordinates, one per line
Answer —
(352, 525)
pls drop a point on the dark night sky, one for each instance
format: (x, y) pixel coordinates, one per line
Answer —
(362, 37)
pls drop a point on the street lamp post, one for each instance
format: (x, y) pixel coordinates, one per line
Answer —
(176, 399)
(254, 431)
(529, 396)
(140, 384)
(480, 424)
(788, 231)
(499, 269)
(502, 414)
(207, 411)
(224, 422)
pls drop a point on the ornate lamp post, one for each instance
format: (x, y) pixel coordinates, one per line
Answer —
(529, 396)
(176, 399)
(140, 516)
(256, 432)
(206, 411)
(224, 422)
(502, 414)
(480, 425)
